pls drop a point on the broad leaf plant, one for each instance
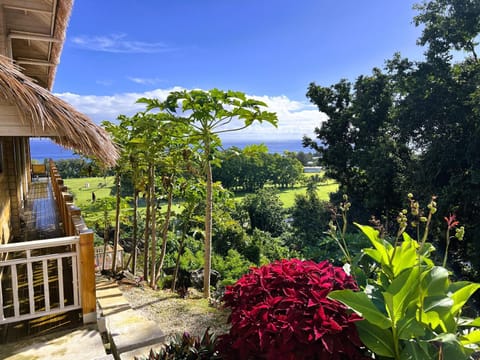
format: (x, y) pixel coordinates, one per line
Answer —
(410, 306)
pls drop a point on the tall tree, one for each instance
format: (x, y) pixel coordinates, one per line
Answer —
(358, 144)
(209, 114)
(449, 25)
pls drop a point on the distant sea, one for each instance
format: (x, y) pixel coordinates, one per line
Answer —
(46, 149)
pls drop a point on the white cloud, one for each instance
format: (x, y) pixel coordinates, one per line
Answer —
(117, 43)
(144, 81)
(295, 118)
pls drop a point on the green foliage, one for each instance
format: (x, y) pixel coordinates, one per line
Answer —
(191, 260)
(270, 248)
(411, 309)
(310, 216)
(205, 115)
(78, 168)
(231, 267)
(252, 168)
(187, 347)
(227, 234)
(449, 25)
(412, 125)
(265, 211)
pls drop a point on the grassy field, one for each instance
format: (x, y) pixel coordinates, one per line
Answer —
(287, 196)
(82, 191)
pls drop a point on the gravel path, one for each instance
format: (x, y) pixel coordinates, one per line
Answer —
(175, 314)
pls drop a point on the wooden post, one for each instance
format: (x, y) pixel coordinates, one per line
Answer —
(87, 277)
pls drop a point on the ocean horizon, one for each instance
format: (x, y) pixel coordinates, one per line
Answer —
(41, 149)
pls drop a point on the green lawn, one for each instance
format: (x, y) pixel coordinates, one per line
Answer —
(287, 196)
(323, 190)
(82, 189)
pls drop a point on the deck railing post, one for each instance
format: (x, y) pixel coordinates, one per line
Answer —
(87, 277)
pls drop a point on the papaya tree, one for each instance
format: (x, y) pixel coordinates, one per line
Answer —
(209, 114)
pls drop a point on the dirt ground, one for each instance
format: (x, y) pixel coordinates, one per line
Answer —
(174, 314)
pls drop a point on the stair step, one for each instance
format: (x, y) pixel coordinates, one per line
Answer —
(129, 330)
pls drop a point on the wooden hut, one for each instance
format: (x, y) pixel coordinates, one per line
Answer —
(31, 39)
(32, 33)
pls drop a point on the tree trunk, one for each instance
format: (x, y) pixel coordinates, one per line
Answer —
(208, 230)
(105, 238)
(105, 242)
(117, 223)
(135, 231)
(180, 250)
(147, 233)
(153, 204)
(165, 232)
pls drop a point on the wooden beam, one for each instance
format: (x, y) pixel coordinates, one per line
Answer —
(28, 5)
(35, 37)
(27, 9)
(35, 62)
(87, 277)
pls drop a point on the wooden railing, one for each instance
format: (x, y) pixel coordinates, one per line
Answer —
(42, 272)
(44, 291)
(70, 214)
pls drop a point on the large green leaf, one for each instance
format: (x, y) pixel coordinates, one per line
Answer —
(462, 294)
(378, 340)
(437, 303)
(405, 255)
(401, 292)
(374, 254)
(408, 327)
(469, 322)
(417, 350)
(471, 338)
(433, 319)
(382, 246)
(403, 289)
(435, 281)
(363, 306)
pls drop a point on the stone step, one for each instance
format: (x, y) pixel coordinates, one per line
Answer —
(128, 331)
(141, 353)
(130, 334)
(83, 343)
(111, 300)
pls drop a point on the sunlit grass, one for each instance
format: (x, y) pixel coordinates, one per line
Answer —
(82, 189)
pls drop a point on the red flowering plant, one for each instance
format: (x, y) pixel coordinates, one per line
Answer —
(281, 311)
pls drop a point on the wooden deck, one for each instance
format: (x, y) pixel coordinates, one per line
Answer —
(41, 219)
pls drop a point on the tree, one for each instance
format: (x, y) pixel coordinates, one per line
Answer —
(284, 170)
(310, 218)
(449, 25)
(265, 211)
(412, 127)
(359, 144)
(209, 114)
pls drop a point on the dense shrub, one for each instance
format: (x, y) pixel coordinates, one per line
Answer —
(281, 311)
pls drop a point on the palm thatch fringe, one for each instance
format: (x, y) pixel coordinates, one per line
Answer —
(63, 11)
(42, 110)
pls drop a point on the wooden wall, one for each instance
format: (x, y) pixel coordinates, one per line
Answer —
(5, 213)
(14, 183)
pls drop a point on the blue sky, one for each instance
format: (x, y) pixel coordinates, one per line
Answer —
(119, 50)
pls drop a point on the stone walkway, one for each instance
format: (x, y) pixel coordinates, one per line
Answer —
(130, 333)
(84, 343)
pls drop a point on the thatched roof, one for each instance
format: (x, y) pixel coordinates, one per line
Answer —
(64, 9)
(44, 111)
